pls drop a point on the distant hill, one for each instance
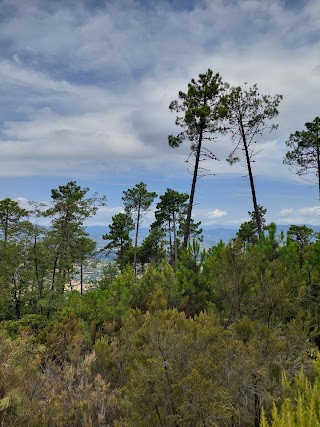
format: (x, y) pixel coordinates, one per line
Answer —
(211, 236)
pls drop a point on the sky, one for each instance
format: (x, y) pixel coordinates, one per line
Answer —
(85, 87)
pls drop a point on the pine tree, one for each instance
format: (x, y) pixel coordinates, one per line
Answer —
(119, 237)
(202, 113)
(305, 153)
(137, 202)
(248, 112)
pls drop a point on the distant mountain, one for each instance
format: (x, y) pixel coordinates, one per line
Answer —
(285, 227)
(211, 236)
(96, 232)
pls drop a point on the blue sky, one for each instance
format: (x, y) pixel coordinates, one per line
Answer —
(86, 85)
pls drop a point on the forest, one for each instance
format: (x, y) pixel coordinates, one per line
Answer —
(172, 334)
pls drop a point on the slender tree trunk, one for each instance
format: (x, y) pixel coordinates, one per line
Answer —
(52, 283)
(170, 241)
(158, 414)
(6, 229)
(18, 307)
(168, 379)
(136, 240)
(16, 297)
(256, 402)
(81, 278)
(39, 282)
(318, 163)
(193, 189)
(54, 273)
(175, 241)
(64, 279)
(253, 191)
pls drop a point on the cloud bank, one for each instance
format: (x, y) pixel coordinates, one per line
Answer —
(87, 86)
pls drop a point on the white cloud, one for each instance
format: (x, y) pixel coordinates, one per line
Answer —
(23, 202)
(306, 215)
(286, 212)
(216, 213)
(28, 205)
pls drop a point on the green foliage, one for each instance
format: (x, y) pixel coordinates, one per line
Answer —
(301, 407)
(203, 346)
(119, 237)
(152, 248)
(248, 232)
(156, 278)
(101, 308)
(205, 338)
(305, 153)
(202, 114)
(66, 337)
(230, 281)
(137, 202)
(199, 116)
(70, 242)
(92, 307)
(11, 215)
(109, 274)
(70, 205)
(170, 213)
(20, 377)
(301, 234)
(195, 372)
(35, 391)
(79, 398)
(248, 112)
(248, 115)
(259, 283)
(16, 264)
(193, 282)
(31, 324)
(173, 374)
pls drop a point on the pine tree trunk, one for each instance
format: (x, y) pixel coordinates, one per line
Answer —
(193, 189)
(39, 282)
(256, 401)
(170, 241)
(318, 162)
(253, 191)
(175, 242)
(81, 278)
(136, 240)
